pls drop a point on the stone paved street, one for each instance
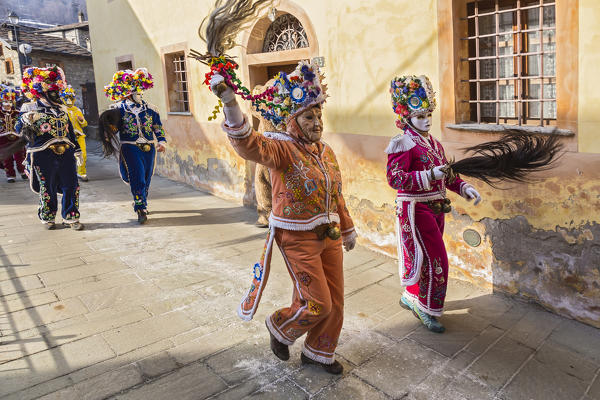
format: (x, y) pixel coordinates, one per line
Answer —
(123, 311)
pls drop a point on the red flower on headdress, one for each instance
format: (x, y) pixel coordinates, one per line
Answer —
(52, 75)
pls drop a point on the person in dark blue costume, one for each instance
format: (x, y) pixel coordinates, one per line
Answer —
(141, 134)
(52, 150)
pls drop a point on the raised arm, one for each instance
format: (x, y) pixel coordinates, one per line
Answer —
(248, 143)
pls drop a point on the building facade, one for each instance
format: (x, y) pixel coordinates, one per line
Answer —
(494, 63)
(49, 48)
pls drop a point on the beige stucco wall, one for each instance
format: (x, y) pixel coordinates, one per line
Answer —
(589, 71)
(539, 241)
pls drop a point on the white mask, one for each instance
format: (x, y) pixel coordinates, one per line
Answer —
(422, 122)
(137, 98)
(6, 106)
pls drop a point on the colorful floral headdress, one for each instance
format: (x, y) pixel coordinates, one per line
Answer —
(411, 96)
(8, 95)
(288, 95)
(128, 82)
(68, 93)
(37, 81)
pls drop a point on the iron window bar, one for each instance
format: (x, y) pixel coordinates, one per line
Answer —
(181, 83)
(511, 55)
(506, 33)
(486, 14)
(519, 81)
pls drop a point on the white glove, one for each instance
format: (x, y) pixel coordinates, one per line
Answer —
(438, 173)
(471, 194)
(79, 158)
(349, 241)
(227, 95)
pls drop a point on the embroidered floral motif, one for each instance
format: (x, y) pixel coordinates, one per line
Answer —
(44, 211)
(314, 308)
(304, 278)
(58, 126)
(325, 342)
(130, 125)
(293, 333)
(147, 125)
(277, 317)
(258, 272)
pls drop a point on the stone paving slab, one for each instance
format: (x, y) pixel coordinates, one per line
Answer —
(123, 311)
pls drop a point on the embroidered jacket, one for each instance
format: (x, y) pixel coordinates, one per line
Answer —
(50, 125)
(140, 123)
(77, 120)
(410, 158)
(305, 178)
(8, 120)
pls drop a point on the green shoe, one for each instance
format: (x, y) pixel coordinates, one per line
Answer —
(429, 321)
(405, 302)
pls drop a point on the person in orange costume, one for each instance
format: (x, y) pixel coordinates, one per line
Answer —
(309, 220)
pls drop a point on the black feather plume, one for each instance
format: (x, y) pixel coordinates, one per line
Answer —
(108, 127)
(512, 158)
(220, 28)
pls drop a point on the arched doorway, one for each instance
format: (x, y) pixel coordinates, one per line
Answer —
(278, 44)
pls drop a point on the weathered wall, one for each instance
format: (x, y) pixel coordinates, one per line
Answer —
(15, 78)
(538, 241)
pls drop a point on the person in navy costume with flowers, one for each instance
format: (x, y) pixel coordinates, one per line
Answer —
(141, 134)
(52, 151)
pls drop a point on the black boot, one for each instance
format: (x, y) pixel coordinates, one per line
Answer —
(280, 350)
(142, 216)
(336, 368)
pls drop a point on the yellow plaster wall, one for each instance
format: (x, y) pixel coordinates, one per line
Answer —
(589, 70)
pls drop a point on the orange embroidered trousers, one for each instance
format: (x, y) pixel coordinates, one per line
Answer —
(316, 269)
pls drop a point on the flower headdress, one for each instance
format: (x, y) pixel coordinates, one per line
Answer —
(37, 81)
(287, 96)
(68, 93)
(411, 96)
(128, 82)
(8, 95)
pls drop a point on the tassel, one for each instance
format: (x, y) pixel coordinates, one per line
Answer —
(512, 158)
(220, 29)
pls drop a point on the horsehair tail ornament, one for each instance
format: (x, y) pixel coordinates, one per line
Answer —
(219, 30)
(511, 158)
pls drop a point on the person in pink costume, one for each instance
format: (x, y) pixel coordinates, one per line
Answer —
(416, 167)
